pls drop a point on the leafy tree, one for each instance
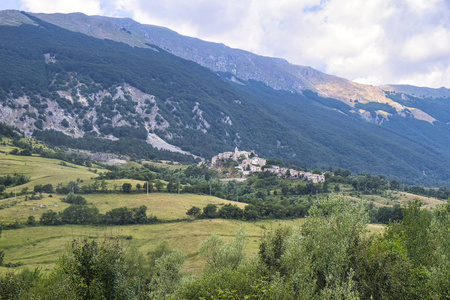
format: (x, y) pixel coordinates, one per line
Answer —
(220, 255)
(47, 188)
(50, 218)
(229, 211)
(210, 211)
(38, 188)
(251, 212)
(31, 221)
(383, 270)
(439, 234)
(159, 185)
(140, 215)
(96, 271)
(168, 275)
(119, 216)
(193, 212)
(318, 258)
(126, 187)
(80, 214)
(74, 199)
(414, 231)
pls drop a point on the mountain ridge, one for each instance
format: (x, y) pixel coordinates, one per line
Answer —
(274, 72)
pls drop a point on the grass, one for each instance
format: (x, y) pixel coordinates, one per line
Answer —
(164, 206)
(389, 198)
(167, 164)
(43, 170)
(404, 198)
(17, 209)
(43, 246)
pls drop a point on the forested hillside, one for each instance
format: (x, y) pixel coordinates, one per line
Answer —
(111, 96)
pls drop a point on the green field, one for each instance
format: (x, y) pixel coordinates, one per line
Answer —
(164, 206)
(43, 170)
(42, 246)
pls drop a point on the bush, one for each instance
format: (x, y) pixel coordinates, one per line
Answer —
(74, 199)
(50, 218)
(126, 188)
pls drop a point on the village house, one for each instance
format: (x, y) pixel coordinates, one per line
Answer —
(235, 156)
(252, 163)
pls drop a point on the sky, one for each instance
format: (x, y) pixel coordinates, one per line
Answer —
(372, 41)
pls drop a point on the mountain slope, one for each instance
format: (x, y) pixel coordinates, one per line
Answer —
(120, 98)
(274, 72)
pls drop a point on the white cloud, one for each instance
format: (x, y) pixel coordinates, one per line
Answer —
(89, 7)
(428, 45)
(370, 41)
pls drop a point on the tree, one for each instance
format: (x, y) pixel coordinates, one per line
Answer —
(48, 188)
(65, 123)
(318, 258)
(38, 188)
(74, 199)
(126, 187)
(251, 212)
(414, 230)
(96, 271)
(80, 214)
(167, 274)
(193, 212)
(50, 218)
(210, 211)
(140, 215)
(119, 216)
(220, 255)
(138, 186)
(159, 185)
(103, 186)
(229, 211)
(440, 239)
(31, 221)
(169, 186)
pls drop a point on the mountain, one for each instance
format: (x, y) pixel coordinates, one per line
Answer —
(113, 84)
(274, 72)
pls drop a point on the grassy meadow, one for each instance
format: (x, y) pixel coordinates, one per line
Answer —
(44, 170)
(164, 206)
(395, 197)
(42, 246)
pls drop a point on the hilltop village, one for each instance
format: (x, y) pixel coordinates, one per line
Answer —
(249, 162)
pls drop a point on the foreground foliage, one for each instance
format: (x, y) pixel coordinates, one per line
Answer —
(330, 257)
